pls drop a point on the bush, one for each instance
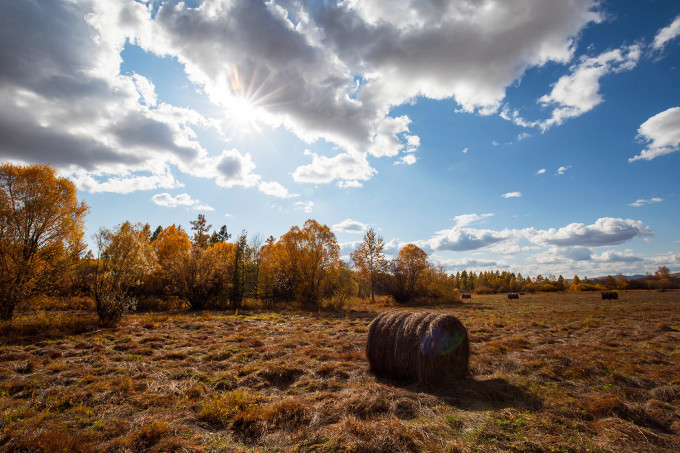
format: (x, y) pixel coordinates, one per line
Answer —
(111, 306)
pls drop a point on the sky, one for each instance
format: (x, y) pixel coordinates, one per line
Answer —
(534, 136)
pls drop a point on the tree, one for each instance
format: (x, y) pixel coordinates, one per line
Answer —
(201, 227)
(239, 271)
(156, 232)
(220, 236)
(369, 259)
(41, 231)
(126, 257)
(306, 259)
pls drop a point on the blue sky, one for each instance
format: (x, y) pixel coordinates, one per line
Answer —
(529, 135)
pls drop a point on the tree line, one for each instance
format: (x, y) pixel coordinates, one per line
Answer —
(492, 282)
(42, 251)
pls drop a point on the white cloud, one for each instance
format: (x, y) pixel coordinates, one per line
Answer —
(275, 189)
(573, 240)
(470, 264)
(183, 199)
(330, 71)
(467, 219)
(523, 136)
(465, 150)
(541, 171)
(642, 202)
(408, 159)
(562, 170)
(91, 182)
(666, 34)
(304, 206)
(579, 91)
(349, 226)
(459, 239)
(344, 166)
(165, 199)
(612, 256)
(605, 231)
(349, 183)
(512, 195)
(662, 131)
(202, 207)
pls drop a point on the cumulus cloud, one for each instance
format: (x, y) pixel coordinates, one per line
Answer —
(349, 226)
(459, 239)
(91, 182)
(662, 131)
(605, 231)
(183, 199)
(346, 167)
(612, 256)
(572, 241)
(408, 159)
(276, 189)
(64, 101)
(541, 171)
(666, 34)
(563, 169)
(460, 264)
(579, 91)
(642, 202)
(328, 71)
(466, 219)
(512, 195)
(465, 150)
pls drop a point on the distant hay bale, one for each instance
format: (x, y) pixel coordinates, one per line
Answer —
(610, 295)
(513, 296)
(426, 348)
(466, 296)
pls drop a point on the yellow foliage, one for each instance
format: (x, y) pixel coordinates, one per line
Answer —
(41, 231)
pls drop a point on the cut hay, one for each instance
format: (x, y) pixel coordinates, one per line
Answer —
(610, 295)
(513, 296)
(426, 348)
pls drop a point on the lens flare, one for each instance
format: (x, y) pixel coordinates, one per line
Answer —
(440, 342)
(253, 97)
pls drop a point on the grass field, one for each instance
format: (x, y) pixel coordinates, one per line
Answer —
(552, 372)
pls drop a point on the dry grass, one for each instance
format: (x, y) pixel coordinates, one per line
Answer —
(552, 372)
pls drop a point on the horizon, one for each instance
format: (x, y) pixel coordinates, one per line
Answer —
(533, 139)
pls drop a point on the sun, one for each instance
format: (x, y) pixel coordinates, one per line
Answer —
(251, 98)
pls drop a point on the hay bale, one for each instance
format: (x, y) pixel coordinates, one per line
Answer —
(466, 296)
(610, 295)
(513, 296)
(426, 348)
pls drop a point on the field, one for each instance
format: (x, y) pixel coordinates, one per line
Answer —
(552, 372)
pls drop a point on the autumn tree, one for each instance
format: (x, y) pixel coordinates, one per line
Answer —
(369, 259)
(203, 275)
(408, 271)
(41, 231)
(126, 257)
(201, 228)
(307, 258)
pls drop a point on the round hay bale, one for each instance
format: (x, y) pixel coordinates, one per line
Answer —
(426, 348)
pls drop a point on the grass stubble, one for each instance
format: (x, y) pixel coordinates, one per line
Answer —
(552, 372)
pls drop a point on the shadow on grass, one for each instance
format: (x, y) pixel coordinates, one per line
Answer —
(484, 394)
(478, 394)
(32, 328)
